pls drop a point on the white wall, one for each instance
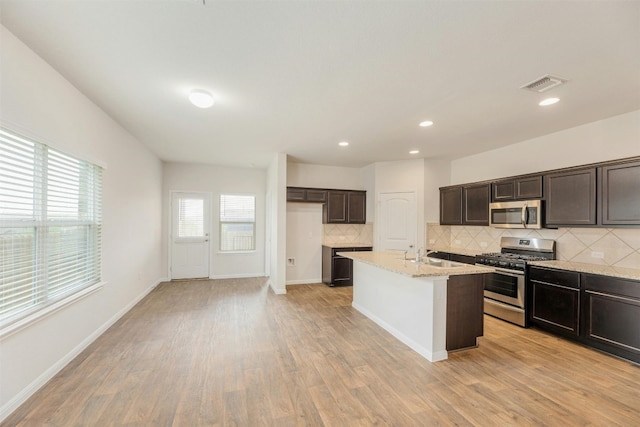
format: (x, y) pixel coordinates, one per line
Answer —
(277, 222)
(318, 176)
(304, 242)
(613, 138)
(436, 174)
(40, 103)
(217, 180)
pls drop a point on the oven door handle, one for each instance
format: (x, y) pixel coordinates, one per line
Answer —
(505, 271)
(525, 212)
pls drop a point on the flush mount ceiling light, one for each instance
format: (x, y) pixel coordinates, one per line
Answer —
(548, 101)
(414, 151)
(343, 144)
(426, 123)
(201, 98)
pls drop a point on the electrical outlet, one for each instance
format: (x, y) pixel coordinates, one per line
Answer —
(291, 262)
(432, 241)
(457, 242)
(483, 244)
(595, 254)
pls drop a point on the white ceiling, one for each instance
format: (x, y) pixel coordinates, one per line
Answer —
(300, 76)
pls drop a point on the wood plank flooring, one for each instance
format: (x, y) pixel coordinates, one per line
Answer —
(231, 353)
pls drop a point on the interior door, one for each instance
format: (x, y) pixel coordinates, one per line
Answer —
(190, 235)
(398, 221)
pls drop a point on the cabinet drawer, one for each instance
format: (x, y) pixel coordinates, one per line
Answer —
(612, 285)
(558, 277)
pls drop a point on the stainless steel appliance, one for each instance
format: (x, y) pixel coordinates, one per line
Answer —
(520, 214)
(504, 289)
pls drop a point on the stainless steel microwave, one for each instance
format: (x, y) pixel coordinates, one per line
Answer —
(520, 214)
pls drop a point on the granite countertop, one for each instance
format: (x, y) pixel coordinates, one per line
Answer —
(393, 261)
(347, 245)
(583, 267)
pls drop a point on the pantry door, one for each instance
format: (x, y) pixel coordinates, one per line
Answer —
(190, 240)
(398, 221)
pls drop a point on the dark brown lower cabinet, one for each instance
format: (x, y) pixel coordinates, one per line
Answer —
(612, 315)
(338, 270)
(465, 309)
(602, 312)
(555, 300)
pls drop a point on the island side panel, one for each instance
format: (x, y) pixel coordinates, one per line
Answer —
(412, 309)
(465, 311)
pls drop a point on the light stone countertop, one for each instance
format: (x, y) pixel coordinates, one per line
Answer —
(347, 245)
(582, 267)
(393, 261)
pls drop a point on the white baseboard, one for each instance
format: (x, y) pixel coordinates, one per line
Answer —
(42, 379)
(303, 282)
(236, 276)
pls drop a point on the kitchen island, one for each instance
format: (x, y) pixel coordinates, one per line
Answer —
(433, 307)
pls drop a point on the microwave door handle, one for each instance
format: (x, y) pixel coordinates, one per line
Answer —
(524, 215)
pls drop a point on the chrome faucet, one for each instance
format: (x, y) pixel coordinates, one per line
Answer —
(418, 255)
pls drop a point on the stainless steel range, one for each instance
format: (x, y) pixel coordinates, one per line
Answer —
(504, 290)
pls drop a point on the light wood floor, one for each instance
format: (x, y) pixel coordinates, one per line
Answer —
(231, 353)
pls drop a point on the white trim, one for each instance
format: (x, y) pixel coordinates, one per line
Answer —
(304, 281)
(48, 310)
(47, 375)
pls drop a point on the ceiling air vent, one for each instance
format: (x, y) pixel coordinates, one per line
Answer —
(544, 83)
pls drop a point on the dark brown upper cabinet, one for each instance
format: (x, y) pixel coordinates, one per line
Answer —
(310, 195)
(451, 206)
(345, 207)
(517, 189)
(620, 193)
(475, 202)
(571, 197)
(465, 205)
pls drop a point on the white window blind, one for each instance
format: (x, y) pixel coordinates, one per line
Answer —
(190, 218)
(237, 223)
(50, 226)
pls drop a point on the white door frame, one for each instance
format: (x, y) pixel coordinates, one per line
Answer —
(170, 227)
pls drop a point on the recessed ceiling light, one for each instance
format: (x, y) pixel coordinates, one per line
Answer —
(414, 151)
(201, 98)
(548, 101)
(343, 143)
(426, 123)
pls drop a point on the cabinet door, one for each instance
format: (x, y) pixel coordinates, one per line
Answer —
(571, 197)
(357, 207)
(316, 196)
(341, 273)
(503, 190)
(528, 188)
(295, 194)
(612, 315)
(335, 210)
(476, 205)
(620, 194)
(451, 206)
(555, 300)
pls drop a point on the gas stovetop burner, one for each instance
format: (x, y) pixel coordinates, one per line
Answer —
(516, 252)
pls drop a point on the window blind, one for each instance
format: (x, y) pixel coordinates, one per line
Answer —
(237, 222)
(50, 225)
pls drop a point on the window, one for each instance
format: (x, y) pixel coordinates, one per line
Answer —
(50, 226)
(237, 223)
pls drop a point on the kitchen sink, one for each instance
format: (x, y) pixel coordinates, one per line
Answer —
(437, 262)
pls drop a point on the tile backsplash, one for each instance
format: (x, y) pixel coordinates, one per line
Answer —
(347, 233)
(619, 247)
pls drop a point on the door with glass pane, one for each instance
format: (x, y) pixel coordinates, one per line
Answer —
(190, 235)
